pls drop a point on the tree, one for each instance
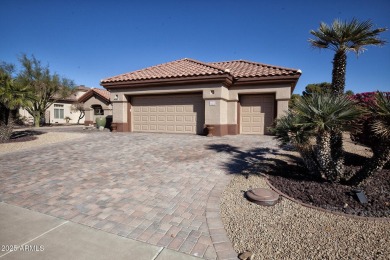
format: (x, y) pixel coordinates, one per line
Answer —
(323, 87)
(375, 133)
(293, 99)
(12, 96)
(79, 107)
(343, 37)
(313, 119)
(46, 87)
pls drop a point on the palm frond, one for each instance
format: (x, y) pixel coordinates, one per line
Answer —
(348, 36)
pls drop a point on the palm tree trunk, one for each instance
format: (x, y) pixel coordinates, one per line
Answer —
(338, 72)
(324, 156)
(309, 160)
(336, 146)
(375, 163)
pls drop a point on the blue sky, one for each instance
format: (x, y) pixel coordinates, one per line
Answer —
(90, 40)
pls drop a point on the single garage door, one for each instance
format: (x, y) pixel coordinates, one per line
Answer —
(257, 113)
(168, 113)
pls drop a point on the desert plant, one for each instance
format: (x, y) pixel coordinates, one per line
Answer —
(313, 119)
(12, 96)
(289, 130)
(343, 37)
(375, 133)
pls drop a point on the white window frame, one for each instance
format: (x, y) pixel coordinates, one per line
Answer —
(58, 111)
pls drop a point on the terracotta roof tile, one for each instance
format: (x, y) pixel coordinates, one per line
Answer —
(189, 68)
(102, 92)
(248, 69)
(95, 91)
(174, 69)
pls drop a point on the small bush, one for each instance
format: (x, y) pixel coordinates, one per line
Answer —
(366, 136)
(100, 121)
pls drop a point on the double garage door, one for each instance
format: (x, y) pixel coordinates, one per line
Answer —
(257, 113)
(168, 113)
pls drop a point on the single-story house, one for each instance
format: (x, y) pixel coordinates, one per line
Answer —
(60, 109)
(185, 96)
(96, 104)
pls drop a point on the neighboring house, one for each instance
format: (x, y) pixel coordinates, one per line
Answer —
(185, 96)
(96, 104)
(60, 109)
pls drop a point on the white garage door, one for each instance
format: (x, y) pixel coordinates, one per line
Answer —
(168, 114)
(257, 113)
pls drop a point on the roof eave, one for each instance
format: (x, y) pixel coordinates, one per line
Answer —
(223, 78)
(290, 79)
(90, 94)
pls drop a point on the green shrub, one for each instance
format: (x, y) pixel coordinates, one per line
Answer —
(100, 121)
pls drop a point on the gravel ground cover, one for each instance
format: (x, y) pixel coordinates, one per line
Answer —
(289, 230)
(39, 138)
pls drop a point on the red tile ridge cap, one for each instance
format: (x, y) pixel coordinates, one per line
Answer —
(258, 64)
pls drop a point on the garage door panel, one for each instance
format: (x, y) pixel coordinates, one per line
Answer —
(168, 113)
(257, 119)
(256, 109)
(257, 113)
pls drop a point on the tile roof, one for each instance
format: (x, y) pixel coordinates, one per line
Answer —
(248, 69)
(82, 88)
(173, 69)
(95, 91)
(102, 92)
(190, 68)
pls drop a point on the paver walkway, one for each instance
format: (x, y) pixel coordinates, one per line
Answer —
(161, 189)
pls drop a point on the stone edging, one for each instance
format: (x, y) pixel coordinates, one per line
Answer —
(322, 209)
(221, 242)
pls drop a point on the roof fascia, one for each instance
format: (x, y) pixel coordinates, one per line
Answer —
(225, 79)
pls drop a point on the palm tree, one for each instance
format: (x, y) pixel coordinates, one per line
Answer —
(289, 130)
(378, 135)
(12, 96)
(315, 117)
(342, 37)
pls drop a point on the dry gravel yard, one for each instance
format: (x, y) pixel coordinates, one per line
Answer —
(42, 139)
(289, 230)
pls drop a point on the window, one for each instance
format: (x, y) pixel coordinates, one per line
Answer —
(58, 111)
(98, 110)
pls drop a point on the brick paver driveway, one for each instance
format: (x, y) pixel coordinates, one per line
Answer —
(158, 188)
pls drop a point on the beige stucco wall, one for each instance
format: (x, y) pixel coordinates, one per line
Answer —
(49, 115)
(89, 112)
(220, 101)
(282, 108)
(119, 111)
